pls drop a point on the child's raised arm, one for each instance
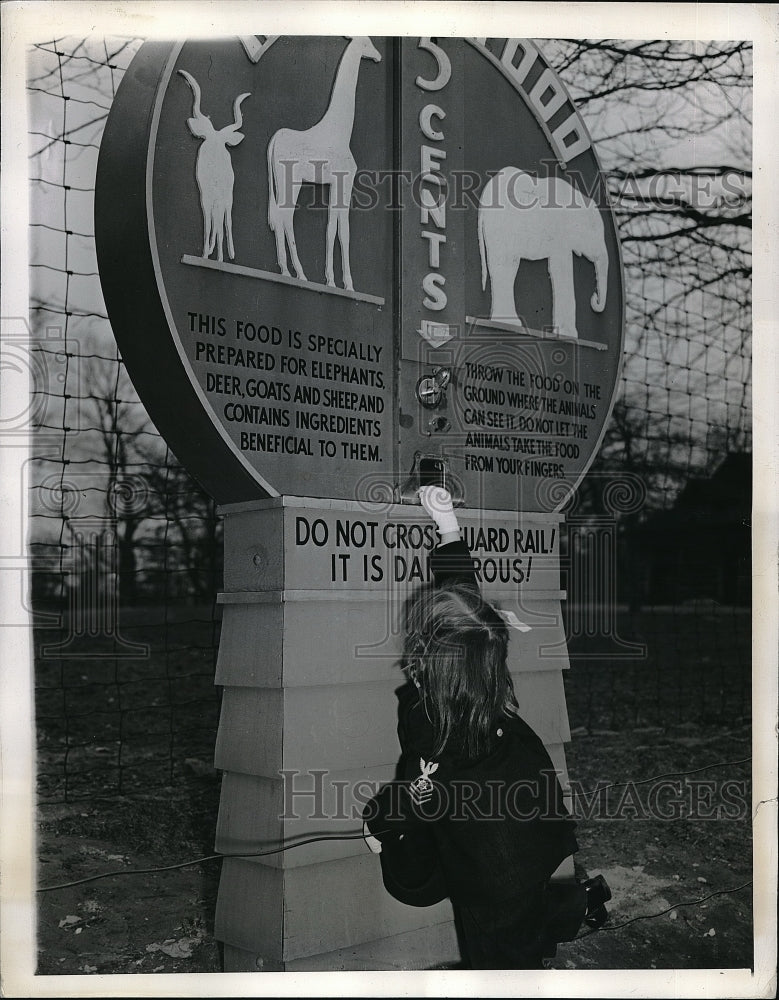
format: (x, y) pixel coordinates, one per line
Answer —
(450, 562)
(438, 503)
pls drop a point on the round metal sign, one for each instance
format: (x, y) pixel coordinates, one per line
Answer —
(339, 267)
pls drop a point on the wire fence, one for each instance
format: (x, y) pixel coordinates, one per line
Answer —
(126, 549)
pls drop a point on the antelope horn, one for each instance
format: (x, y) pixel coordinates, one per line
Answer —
(237, 110)
(196, 112)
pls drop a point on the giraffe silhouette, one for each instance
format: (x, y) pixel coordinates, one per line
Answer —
(319, 155)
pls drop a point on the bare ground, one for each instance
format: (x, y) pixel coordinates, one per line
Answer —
(163, 921)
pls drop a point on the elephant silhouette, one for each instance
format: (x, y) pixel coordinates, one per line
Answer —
(523, 217)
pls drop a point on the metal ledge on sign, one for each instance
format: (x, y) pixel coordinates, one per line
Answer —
(285, 596)
(246, 506)
(249, 597)
(393, 509)
(407, 510)
(526, 331)
(282, 279)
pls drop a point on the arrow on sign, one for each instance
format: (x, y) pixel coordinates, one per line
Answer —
(436, 334)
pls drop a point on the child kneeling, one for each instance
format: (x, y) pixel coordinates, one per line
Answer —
(477, 812)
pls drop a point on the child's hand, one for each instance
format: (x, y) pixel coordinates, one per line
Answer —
(438, 503)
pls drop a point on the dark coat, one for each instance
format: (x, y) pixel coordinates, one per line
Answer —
(498, 822)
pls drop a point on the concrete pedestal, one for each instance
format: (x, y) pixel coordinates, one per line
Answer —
(311, 636)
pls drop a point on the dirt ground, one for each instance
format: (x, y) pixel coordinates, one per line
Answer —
(656, 865)
(163, 921)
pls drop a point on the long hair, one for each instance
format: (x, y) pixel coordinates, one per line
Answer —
(455, 652)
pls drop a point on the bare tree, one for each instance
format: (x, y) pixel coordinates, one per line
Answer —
(188, 528)
(116, 424)
(671, 123)
(163, 522)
